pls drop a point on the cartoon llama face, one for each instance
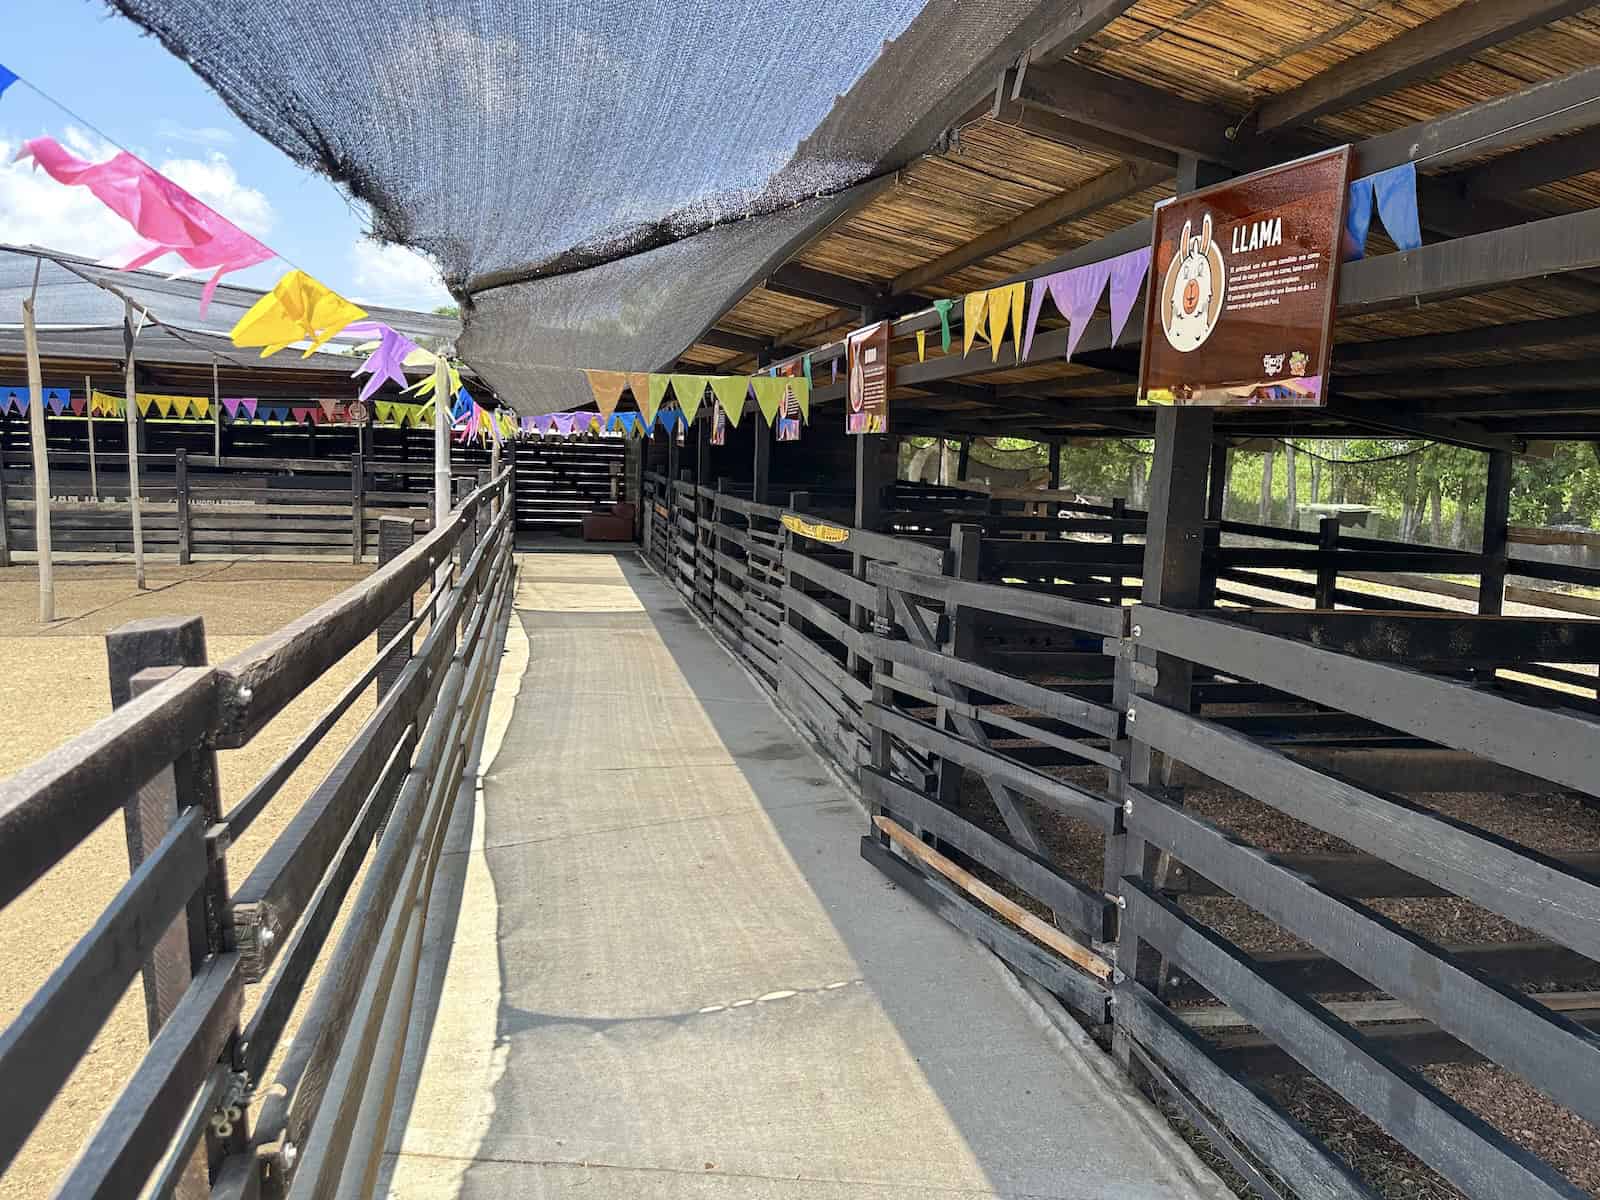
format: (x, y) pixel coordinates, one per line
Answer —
(1189, 322)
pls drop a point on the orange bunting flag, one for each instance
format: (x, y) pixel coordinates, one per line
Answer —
(607, 388)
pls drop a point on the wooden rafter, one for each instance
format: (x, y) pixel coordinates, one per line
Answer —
(1416, 54)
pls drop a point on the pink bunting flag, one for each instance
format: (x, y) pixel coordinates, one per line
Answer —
(1127, 277)
(329, 408)
(302, 414)
(230, 405)
(77, 406)
(167, 219)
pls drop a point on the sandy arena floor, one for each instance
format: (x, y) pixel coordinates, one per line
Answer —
(55, 685)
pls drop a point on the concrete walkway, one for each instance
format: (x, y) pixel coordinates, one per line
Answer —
(659, 968)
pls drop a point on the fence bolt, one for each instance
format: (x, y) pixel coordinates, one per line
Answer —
(1117, 976)
(266, 937)
(1137, 631)
(289, 1155)
(1122, 902)
(1127, 806)
(246, 695)
(1133, 715)
(1174, 981)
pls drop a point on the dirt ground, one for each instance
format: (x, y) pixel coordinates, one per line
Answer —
(55, 686)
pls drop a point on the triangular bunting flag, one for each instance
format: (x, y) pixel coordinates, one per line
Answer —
(76, 404)
(142, 403)
(730, 391)
(329, 407)
(655, 392)
(607, 388)
(943, 307)
(922, 345)
(973, 307)
(805, 369)
(801, 390)
(1127, 277)
(202, 406)
(690, 391)
(163, 405)
(769, 395)
(249, 406)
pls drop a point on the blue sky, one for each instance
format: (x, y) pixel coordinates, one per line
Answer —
(140, 97)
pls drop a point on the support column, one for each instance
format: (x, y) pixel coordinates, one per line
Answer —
(1216, 502)
(1173, 576)
(1496, 522)
(761, 471)
(1055, 465)
(872, 451)
(358, 508)
(963, 459)
(185, 534)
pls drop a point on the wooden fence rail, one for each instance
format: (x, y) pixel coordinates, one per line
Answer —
(186, 1121)
(1000, 691)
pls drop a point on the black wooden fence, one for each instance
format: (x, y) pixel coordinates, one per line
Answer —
(184, 1120)
(192, 505)
(1025, 738)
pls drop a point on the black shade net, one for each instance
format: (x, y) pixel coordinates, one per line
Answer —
(536, 149)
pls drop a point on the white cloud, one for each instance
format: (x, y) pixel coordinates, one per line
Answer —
(396, 276)
(215, 182)
(35, 209)
(204, 135)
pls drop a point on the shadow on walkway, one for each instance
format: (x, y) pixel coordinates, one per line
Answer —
(663, 970)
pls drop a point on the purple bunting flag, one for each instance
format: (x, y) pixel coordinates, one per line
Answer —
(1127, 277)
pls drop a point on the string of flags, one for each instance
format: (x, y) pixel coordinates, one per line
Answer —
(166, 219)
(773, 393)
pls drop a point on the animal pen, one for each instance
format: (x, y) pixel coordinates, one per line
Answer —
(1195, 776)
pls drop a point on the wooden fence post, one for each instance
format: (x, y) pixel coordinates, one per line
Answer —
(358, 508)
(140, 655)
(1327, 572)
(181, 479)
(1496, 522)
(394, 539)
(5, 525)
(761, 469)
(966, 549)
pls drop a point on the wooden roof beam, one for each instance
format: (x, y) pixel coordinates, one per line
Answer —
(823, 287)
(1419, 53)
(1518, 335)
(1130, 108)
(1079, 21)
(721, 339)
(1064, 131)
(1376, 414)
(1119, 183)
(1532, 166)
(1526, 376)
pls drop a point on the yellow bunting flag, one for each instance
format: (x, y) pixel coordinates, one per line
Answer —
(922, 345)
(102, 405)
(730, 391)
(690, 390)
(1003, 301)
(769, 394)
(655, 393)
(297, 309)
(607, 388)
(143, 403)
(424, 386)
(972, 309)
(202, 406)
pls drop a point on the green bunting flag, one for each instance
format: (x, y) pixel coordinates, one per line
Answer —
(943, 307)
(730, 391)
(656, 392)
(769, 394)
(805, 369)
(690, 390)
